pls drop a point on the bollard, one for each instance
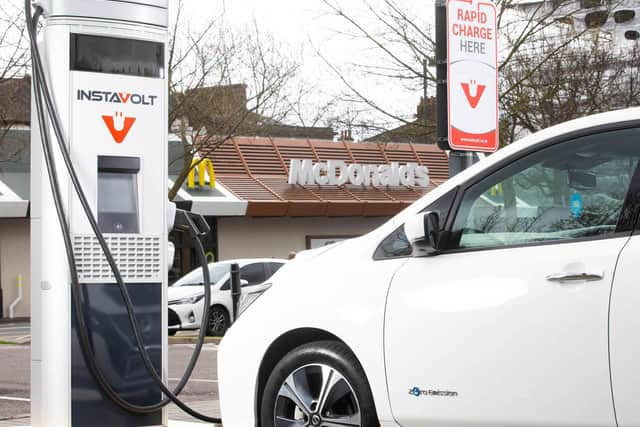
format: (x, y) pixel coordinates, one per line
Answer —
(236, 289)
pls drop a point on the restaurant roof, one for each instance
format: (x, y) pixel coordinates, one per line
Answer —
(256, 169)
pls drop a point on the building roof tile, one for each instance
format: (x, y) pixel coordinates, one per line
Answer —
(255, 169)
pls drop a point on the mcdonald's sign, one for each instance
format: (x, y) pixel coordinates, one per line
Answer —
(202, 167)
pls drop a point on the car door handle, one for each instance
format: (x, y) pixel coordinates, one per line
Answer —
(575, 277)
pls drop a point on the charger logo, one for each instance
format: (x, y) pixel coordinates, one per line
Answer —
(115, 97)
(118, 125)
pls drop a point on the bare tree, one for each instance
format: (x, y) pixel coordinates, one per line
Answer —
(14, 57)
(224, 83)
(590, 77)
(14, 53)
(404, 47)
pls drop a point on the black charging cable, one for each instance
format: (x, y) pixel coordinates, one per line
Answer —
(42, 91)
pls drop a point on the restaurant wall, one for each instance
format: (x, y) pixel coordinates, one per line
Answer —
(14, 260)
(247, 237)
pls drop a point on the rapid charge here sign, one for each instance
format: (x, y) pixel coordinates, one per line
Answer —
(472, 75)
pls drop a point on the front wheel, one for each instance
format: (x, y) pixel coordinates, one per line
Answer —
(320, 384)
(219, 321)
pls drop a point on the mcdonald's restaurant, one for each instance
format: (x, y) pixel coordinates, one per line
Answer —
(262, 197)
(274, 197)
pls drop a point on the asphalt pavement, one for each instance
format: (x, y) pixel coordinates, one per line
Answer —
(201, 392)
(14, 381)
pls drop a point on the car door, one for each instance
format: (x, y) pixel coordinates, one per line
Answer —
(624, 324)
(507, 325)
(255, 275)
(273, 267)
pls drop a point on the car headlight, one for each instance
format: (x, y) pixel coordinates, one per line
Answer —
(189, 300)
(249, 298)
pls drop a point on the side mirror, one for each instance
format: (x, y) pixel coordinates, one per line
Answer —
(243, 282)
(423, 232)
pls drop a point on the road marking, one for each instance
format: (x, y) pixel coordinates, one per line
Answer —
(195, 380)
(23, 328)
(17, 399)
(210, 346)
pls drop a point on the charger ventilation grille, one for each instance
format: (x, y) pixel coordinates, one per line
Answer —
(137, 257)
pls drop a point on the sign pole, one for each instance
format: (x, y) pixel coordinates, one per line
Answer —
(442, 123)
(457, 159)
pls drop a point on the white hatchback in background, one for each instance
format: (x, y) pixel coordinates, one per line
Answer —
(507, 296)
(186, 295)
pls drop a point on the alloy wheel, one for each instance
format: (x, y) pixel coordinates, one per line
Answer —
(316, 395)
(217, 321)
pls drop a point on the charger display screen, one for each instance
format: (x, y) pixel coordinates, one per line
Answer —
(118, 208)
(113, 55)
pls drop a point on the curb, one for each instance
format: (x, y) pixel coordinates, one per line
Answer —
(172, 340)
(193, 340)
(21, 320)
(13, 343)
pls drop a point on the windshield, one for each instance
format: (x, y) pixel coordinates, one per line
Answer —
(217, 270)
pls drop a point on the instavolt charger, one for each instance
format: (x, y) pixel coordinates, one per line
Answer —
(105, 63)
(98, 223)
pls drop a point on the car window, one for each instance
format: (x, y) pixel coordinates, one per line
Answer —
(570, 190)
(253, 273)
(273, 267)
(397, 245)
(394, 245)
(217, 270)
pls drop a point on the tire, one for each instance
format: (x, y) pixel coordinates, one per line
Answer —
(172, 332)
(307, 368)
(219, 321)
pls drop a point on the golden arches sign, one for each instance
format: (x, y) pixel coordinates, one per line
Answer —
(202, 167)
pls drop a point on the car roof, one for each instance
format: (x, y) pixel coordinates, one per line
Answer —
(241, 262)
(245, 261)
(582, 123)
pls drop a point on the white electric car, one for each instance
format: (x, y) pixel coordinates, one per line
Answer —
(508, 296)
(186, 295)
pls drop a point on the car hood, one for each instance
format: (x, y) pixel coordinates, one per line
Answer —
(180, 292)
(310, 254)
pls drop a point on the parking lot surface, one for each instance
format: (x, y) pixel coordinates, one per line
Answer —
(201, 392)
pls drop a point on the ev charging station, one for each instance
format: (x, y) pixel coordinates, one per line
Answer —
(99, 225)
(105, 62)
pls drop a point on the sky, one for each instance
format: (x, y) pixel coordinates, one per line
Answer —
(307, 27)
